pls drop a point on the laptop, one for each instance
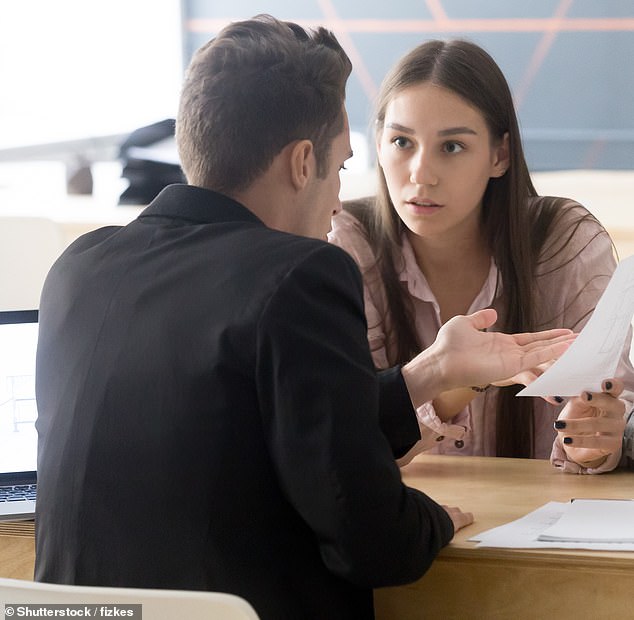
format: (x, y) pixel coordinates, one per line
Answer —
(18, 412)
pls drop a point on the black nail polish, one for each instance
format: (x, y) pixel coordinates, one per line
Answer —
(559, 424)
(559, 399)
(568, 440)
(588, 396)
(608, 385)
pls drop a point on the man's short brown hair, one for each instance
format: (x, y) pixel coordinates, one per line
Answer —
(256, 87)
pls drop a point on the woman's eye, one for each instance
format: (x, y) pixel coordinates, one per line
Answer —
(452, 147)
(400, 142)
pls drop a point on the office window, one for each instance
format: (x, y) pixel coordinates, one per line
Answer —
(71, 69)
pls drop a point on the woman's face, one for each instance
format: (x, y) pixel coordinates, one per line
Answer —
(437, 157)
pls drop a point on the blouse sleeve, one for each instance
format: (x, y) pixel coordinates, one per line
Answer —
(433, 431)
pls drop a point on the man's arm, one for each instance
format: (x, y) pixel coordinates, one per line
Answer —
(397, 416)
(320, 398)
(461, 344)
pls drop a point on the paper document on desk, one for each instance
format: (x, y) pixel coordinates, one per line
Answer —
(526, 532)
(594, 520)
(595, 353)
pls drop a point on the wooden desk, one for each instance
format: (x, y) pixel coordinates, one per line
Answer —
(465, 582)
(17, 550)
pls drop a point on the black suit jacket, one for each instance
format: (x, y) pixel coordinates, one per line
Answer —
(209, 418)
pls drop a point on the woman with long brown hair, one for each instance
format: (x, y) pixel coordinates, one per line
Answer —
(457, 226)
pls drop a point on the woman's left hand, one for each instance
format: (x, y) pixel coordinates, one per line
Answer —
(591, 425)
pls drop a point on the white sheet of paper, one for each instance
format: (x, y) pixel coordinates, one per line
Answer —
(594, 355)
(524, 533)
(594, 520)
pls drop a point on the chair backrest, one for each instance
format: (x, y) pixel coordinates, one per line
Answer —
(156, 604)
(28, 248)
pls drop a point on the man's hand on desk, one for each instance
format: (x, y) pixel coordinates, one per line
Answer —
(460, 519)
(590, 427)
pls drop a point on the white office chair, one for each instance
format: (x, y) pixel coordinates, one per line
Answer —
(156, 604)
(28, 248)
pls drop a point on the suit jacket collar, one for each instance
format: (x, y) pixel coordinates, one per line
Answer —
(197, 205)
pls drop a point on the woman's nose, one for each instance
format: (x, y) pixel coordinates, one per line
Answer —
(422, 170)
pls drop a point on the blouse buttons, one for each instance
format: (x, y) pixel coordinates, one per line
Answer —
(459, 443)
(440, 437)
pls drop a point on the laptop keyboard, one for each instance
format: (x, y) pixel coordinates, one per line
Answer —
(18, 492)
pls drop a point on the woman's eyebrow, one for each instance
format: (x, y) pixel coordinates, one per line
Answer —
(399, 127)
(452, 131)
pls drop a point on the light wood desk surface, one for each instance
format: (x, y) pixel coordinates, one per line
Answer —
(466, 582)
(17, 549)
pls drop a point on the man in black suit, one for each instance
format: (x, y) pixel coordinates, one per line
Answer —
(209, 414)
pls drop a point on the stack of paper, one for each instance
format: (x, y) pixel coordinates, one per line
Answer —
(603, 524)
(594, 520)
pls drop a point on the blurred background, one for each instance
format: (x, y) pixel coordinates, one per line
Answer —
(567, 61)
(79, 79)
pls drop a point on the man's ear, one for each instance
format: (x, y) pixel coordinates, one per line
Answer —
(502, 158)
(302, 163)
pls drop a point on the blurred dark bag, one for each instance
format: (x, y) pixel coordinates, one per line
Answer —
(150, 162)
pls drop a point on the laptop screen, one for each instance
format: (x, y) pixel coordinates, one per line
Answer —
(18, 411)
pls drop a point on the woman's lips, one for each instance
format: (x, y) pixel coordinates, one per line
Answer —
(423, 207)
